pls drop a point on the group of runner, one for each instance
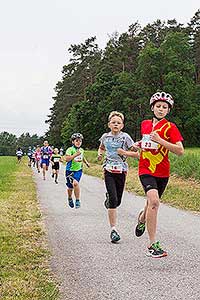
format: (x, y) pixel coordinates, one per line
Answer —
(159, 136)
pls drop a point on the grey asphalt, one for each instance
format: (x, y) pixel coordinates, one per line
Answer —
(89, 267)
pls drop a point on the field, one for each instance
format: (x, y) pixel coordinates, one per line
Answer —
(24, 264)
(183, 190)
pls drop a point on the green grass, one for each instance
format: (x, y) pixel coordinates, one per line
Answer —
(183, 190)
(24, 262)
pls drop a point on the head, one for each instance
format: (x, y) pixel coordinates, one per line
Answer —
(115, 122)
(55, 151)
(46, 144)
(77, 139)
(160, 104)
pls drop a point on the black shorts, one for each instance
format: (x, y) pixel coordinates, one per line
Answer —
(150, 182)
(115, 187)
(56, 166)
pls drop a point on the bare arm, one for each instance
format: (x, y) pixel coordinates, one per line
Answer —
(71, 157)
(129, 153)
(176, 148)
(101, 151)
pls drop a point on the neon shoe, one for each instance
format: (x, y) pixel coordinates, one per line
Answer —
(156, 251)
(77, 203)
(140, 228)
(115, 237)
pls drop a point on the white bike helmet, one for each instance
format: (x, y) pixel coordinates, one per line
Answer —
(162, 96)
(76, 136)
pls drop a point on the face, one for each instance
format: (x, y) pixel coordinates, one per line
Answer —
(115, 124)
(55, 150)
(46, 143)
(160, 109)
(77, 143)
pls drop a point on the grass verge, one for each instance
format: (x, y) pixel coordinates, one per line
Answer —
(24, 262)
(182, 192)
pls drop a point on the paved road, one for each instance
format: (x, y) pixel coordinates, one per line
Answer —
(89, 267)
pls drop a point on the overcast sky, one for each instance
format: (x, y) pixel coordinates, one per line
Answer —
(35, 36)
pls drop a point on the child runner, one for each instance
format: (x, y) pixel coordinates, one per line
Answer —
(29, 153)
(55, 160)
(159, 136)
(19, 154)
(115, 167)
(74, 158)
(46, 153)
(38, 158)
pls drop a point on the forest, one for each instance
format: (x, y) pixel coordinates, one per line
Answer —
(162, 56)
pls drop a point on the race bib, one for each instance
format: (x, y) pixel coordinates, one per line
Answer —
(56, 159)
(78, 158)
(114, 168)
(45, 156)
(147, 143)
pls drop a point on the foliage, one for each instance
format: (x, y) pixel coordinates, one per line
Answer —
(123, 76)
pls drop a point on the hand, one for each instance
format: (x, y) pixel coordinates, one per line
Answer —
(120, 151)
(77, 153)
(155, 136)
(99, 157)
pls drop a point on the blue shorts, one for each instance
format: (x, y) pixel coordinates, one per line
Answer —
(45, 161)
(71, 175)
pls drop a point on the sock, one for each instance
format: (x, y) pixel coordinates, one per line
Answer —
(113, 228)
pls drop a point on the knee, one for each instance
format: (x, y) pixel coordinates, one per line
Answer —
(154, 203)
(75, 183)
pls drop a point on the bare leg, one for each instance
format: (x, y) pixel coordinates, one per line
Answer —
(151, 214)
(76, 189)
(112, 215)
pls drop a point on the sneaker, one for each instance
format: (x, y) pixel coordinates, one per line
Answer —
(77, 203)
(71, 203)
(106, 203)
(115, 237)
(140, 228)
(156, 251)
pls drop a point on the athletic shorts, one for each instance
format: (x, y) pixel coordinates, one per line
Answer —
(115, 187)
(56, 166)
(150, 182)
(71, 175)
(45, 161)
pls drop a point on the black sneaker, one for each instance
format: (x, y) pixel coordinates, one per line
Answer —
(71, 203)
(115, 237)
(106, 203)
(140, 228)
(156, 251)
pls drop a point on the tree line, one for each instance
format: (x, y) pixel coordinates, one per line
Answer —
(164, 55)
(9, 142)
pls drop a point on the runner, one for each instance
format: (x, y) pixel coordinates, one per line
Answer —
(29, 153)
(38, 158)
(55, 160)
(159, 136)
(74, 158)
(46, 153)
(115, 167)
(19, 154)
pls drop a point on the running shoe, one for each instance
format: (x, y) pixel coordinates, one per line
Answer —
(77, 203)
(156, 251)
(71, 203)
(140, 228)
(115, 237)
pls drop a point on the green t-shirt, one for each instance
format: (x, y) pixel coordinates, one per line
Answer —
(75, 164)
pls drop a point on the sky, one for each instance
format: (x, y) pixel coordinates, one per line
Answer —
(34, 41)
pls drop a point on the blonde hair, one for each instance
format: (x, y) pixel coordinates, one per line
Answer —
(117, 114)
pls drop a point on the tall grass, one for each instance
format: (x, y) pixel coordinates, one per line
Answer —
(24, 267)
(186, 166)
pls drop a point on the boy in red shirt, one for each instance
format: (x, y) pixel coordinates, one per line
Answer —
(159, 136)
